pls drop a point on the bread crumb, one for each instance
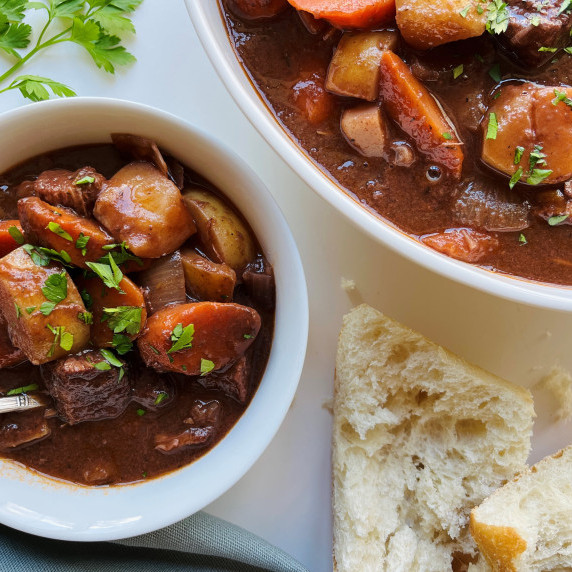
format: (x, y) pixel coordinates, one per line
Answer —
(559, 383)
(348, 285)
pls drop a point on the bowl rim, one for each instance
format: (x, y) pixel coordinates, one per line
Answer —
(241, 88)
(285, 365)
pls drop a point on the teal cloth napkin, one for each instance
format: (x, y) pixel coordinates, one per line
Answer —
(201, 543)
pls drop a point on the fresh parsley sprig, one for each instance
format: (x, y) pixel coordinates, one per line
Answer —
(98, 26)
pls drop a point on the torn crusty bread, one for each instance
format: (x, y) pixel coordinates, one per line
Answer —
(420, 438)
(527, 524)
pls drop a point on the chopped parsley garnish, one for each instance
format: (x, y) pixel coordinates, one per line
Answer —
(110, 360)
(538, 175)
(547, 49)
(161, 397)
(566, 5)
(55, 288)
(121, 256)
(557, 219)
(102, 366)
(86, 317)
(155, 350)
(87, 180)
(30, 309)
(81, 243)
(57, 229)
(24, 389)
(61, 337)
(43, 256)
(123, 319)
(447, 136)
(206, 366)
(458, 71)
(109, 273)
(246, 336)
(497, 17)
(47, 308)
(122, 344)
(518, 153)
(86, 297)
(141, 412)
(561, 96)
(465, 11)
(16, 234)
(182, 338)
(522, 239)
(492, 128)
(495, 73)
(516, 177)
(18, 311)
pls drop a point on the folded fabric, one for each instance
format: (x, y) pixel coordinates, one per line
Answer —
(201, 543)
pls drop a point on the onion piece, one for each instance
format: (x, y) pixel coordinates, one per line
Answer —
(164, 282)
(488, 207)
(259, 281)
(141, 149)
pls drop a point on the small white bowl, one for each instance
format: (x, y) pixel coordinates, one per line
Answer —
(54, 509)
(211, 29)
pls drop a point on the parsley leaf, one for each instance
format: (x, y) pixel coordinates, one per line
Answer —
(86, 317)
(561, 96)
(557, 219)
(110, 274)
(24, 389)
(34, 87)
(497, 17)
(55, 288)
(206, 366)
(16, 234)
(492, 128)
(57, 229)
(87, 180)
(182, 338)
(122, 344)
(123, 319)
(81, 242)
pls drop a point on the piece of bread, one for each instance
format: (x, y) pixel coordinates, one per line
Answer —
(527, 523)
(420, 438)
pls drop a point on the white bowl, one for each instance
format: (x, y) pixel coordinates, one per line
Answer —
(54, 509)
(211, 29)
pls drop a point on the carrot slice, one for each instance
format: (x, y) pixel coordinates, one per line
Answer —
(7, 241)
(463, 244)
(417, 112)
(349, 13)
(101, 297)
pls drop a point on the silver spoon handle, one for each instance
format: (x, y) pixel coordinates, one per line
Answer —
(21, 402)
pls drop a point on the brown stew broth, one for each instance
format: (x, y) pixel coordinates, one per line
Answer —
(280, 52)
(123, 446)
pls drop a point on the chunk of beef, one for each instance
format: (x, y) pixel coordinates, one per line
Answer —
(22, 428)
(554, 203)
(150, 389)
(204, 418)
(77, 190)
(233, 382)
(259, 280)
(535, 24)
(82, 392)
(100, 472)
(9, 355)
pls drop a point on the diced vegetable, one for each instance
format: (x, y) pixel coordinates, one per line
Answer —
(425, 24)
(315, 103)
(113, 312)
(142, 207)
(140, 149)
(179, 338)
(10, 236)
(462, 243)
(52, 329)
(365, 129)
(349, 13)
(225, 238)
(354, 69)
(207, 280)
(164, 282)
(419, 114)
(256, 9)
(60, 228)
(531, 134)
(22, 428)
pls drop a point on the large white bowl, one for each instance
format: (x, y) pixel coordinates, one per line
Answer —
(50, 508)
(210, 27)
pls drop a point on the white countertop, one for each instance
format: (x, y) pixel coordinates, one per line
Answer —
(285, 497)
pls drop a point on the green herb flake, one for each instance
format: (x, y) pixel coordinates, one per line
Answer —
(495, 73)
(246, 336)
(497, 17)
(18, 311)
(518, 153)
(111, 358)
(122, 344)
(81, 243)
(492, 128)
(30, 309)
(557, 219)
(547, 49)
(182, 338)
(87, 299)
(87, 180)
(447, 136)
(47, 308)
(66, 343)
(141, 412)
(24, 389)
(110, 274)
(465, 11)
(57, 229)
(123, 319)
(522, 239)
(561, 96)
(206, 366)
(537, 176)
(102, 366)
(85, 317)
(458, 71)
(161, 397)
(55, 288)
(154, 349)
(16, 234)
(516, 177)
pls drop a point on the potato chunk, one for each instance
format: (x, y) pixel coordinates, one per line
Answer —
(354, 69)
(365, 130)
(425, 24)
(224, 236)
(145, 209)
(207, 280)
(536, 119)
(42, 338)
